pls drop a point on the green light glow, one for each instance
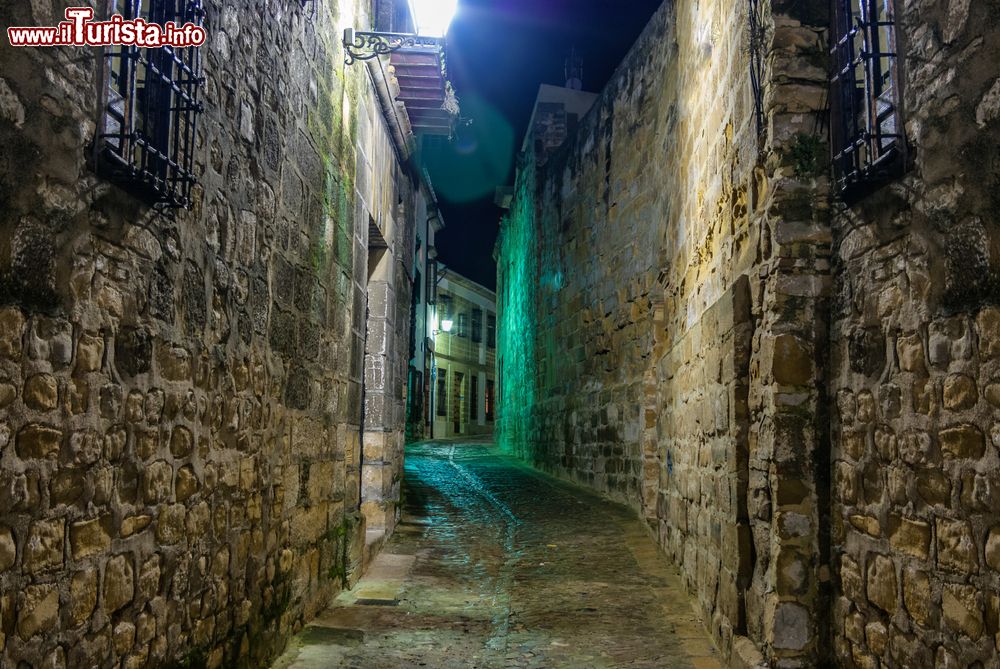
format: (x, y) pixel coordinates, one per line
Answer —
(517, 262)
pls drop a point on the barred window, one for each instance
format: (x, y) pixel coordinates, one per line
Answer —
(491, 331)
(474, 397)
(489, 400)
(442, 392)
(147, 129)
(868, 143)
(477, 325)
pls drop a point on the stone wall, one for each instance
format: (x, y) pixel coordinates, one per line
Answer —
(801, 399)
(180, 393)
(666, 270)
(915, 369)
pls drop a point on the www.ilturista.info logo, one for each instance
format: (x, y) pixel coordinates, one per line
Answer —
(79, 29)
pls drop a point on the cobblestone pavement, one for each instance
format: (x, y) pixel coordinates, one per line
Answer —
(496, 565)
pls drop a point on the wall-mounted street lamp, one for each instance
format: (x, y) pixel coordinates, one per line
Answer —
(447, 324)
(431, 19)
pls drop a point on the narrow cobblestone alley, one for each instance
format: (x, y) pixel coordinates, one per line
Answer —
(497, 565)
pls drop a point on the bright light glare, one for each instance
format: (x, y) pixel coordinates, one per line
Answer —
(432, 17)
(446, 324)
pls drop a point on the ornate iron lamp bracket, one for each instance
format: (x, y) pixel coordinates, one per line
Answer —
(368, 45)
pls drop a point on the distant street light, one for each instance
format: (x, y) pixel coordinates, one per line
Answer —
(431, 19)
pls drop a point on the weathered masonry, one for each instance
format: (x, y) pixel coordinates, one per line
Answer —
(201, 409)
(791, 370)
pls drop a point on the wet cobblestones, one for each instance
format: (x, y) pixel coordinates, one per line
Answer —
(495, 565)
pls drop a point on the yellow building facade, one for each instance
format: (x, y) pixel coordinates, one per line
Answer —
(463, 388)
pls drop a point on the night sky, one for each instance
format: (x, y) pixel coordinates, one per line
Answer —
(499, 52)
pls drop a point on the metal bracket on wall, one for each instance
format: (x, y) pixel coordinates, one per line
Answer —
(368, 45)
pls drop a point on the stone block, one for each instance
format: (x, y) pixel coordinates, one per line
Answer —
(181, 442)
(157, 479)
(8, 549)
(923, 398)
(962, 611)
(851, 581)
(910, 536)
(917, 595)
(867, 524)
(11, 332)
(170, 524)
(44, 547)
(916, 447)
(38, 610)
(38, 441)
(174, 363)
(955, 546)
(962, 441)
(890, 401)
(960, 392)
(119, 583)
(8, 393)
(992, 394)
(41, 392)
(854, 627)
(877, 637)
(186, 484)
(85, 446)
(82, 596)
(853, 443)
(149, 579)
(793, 573)
(988, 326)
(199, 517)
(881, 583)
(910, 350)
(992, 549)
(933, 487)
(89, 353)
(90, 537)
(791, 628)
(792, 364)
(122, 638)
(134, 524)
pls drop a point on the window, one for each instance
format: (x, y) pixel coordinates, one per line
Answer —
(867, 131)
(491, 331)
(146, 135)
(456, 401)
(474, 398)
(414, 303)
(477, 325)
(442, 392)
(444, 307)
(489, 400)
(463, 325)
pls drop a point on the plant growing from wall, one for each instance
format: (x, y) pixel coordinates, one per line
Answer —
(808, 153)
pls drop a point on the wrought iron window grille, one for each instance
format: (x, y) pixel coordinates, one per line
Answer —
(868, 142)
(147, 127)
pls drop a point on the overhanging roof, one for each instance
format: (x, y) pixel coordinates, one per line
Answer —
(423, 90)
